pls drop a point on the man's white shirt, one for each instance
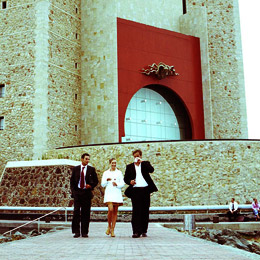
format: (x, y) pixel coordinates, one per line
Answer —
(140, 181)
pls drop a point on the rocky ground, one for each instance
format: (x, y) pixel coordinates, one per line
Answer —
(18, 235)
(246, 240)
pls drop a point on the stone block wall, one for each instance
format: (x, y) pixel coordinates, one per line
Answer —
(40, 67)
(17, 73)
(226, 112)
(36, 186)
(43, 183)
(99, 72)
(186, 173)
(195, 23)
(64, 89)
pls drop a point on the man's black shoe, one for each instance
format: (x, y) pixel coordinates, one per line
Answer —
(76, 235)
(84, 235)
(135, 235)
(144, 235)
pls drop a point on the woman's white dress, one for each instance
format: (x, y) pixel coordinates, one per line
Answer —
(113, 193)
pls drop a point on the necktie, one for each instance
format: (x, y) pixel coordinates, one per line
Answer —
(233, 206)
(82, 181)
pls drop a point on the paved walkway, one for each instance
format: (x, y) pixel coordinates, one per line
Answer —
(161, 243)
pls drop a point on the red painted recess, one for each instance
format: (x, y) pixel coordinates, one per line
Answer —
(140, 45)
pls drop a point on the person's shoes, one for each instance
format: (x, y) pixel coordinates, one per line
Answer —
(135, 235)
(76, 235)
(84, 235)
(144, 235)
(112, 233)
(108, 231)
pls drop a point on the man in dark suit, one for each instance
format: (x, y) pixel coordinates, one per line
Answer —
(137, 176)
(83, 180)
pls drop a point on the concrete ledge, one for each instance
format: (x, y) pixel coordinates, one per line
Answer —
(247, 226)
(13, 164)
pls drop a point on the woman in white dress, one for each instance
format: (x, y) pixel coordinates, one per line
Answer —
(113, 180)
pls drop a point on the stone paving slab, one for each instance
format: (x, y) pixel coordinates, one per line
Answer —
(161, 243)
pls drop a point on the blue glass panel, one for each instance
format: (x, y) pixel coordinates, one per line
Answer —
(150, 117)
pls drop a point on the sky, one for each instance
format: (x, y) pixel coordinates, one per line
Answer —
(249, 23)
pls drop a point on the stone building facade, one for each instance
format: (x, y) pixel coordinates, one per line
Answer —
(41, 72)
(59, 68)
(217, 25)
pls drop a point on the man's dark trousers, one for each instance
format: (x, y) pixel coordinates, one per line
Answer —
(81, 214)
(140, 215)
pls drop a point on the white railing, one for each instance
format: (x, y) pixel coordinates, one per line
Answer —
(104, 209)
(127, 209)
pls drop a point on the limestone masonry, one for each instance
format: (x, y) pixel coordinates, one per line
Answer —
(186, 173)
(59, 69)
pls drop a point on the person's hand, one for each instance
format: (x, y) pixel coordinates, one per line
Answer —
(88, 186)
(108, 179)
(132, 182)
(138, 160)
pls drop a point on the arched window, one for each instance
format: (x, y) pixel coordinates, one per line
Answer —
(149, 116)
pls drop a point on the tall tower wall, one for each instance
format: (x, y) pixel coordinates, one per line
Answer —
(40, 67)
(17, 71)
(59, 65)
(99, 59)
(217, 24)
(64, 69)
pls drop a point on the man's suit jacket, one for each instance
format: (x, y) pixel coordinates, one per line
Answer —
(146, 169)
(91, 178)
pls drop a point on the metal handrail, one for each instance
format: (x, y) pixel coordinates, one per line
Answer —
(2, 174)
(104, 209)
(29, 222)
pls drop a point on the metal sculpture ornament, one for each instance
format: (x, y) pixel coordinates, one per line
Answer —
(161, 70)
